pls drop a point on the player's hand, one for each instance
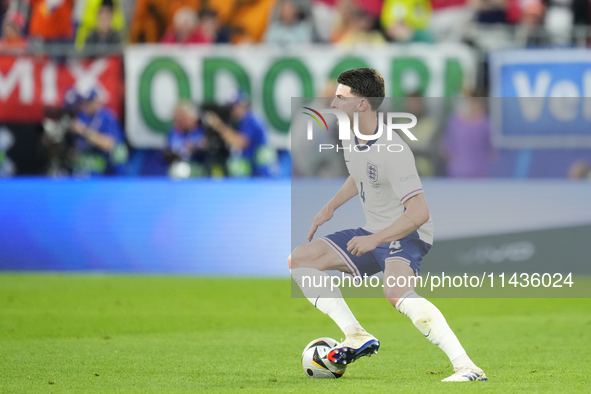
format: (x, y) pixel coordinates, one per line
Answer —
(322, 217)
(359, 245)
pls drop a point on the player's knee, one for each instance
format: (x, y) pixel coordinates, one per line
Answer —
(302, 256)
(393, 294)
(393, 301)
(297, 257)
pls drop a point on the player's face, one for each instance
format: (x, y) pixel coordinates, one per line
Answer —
(345, 100)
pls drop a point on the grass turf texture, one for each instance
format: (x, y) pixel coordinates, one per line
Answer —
(75, 334)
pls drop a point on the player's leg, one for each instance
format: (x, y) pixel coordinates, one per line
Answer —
(308, 263)
(428, 319)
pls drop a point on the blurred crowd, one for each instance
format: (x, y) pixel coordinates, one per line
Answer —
(486, 24)
(46, 24)
(85, 139)
(218, 140)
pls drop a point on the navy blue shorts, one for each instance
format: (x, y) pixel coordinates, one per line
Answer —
(409, 250)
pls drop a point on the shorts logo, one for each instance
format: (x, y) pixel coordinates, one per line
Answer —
(372, 172)
(395, 247)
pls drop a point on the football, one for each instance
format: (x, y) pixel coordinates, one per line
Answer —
(314, 361)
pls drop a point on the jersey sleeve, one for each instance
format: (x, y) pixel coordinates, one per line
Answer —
(403, 175)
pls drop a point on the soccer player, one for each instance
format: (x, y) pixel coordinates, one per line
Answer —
(398, 232)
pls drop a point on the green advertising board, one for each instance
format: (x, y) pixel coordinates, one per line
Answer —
(158, 76)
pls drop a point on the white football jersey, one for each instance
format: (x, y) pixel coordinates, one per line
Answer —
(386, 176)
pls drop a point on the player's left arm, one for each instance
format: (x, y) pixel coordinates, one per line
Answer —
(415, 215)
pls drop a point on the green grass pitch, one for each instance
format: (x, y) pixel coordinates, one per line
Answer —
(130, 334)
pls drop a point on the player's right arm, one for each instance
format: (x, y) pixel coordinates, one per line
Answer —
(347, 192)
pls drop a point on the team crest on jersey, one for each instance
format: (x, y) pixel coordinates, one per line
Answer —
(372, 172)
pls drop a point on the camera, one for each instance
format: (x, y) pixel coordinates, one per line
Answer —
(218, 150)
(59, 143)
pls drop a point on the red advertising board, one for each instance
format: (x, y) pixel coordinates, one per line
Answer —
(30, 84)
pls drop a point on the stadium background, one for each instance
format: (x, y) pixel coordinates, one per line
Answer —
(177, 226)
(529, 209)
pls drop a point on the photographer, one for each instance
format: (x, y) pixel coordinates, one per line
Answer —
(187, 145)
(248, 141)
(99, 145)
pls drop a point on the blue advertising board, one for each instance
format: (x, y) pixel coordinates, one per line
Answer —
(205, 227)
(249, 227)
(541, 98)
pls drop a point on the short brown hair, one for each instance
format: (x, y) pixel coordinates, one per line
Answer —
(365, 82)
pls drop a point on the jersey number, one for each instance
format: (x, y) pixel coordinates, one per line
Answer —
(362, 193)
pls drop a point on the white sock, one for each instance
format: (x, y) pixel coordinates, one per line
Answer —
(329, 301)
(431, 323)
